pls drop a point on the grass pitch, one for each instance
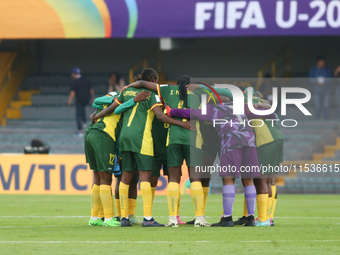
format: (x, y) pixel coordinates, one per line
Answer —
(47, 224)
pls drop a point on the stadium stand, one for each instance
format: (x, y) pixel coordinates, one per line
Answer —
(311, 182)
(44, 114)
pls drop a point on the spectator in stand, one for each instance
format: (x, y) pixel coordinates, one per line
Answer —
(82, 90)
(337, 75)
(319, 77)
(115, 82)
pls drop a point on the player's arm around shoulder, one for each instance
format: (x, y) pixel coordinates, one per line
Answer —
(108, 110)
(163, 90)
(105, 112)
(142, 84)
(141, 96)
(157, 109)
(164, 118)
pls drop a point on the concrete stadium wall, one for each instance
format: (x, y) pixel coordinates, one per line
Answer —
(201, 57)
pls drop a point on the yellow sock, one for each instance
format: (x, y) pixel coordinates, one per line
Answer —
(95, 201)
(153, 190)
(118, 212)
(101, 211)
(205, 194)
(145, 188)
(272, 208)
(262, 206)
(179, 200)
(269, 204)
(245, 208)
(197, 197)
(132, 206)
(124, 199)
(113, 206)
(173, 198)
(106, 197)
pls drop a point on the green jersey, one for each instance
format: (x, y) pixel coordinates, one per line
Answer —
(87, 130)
(98, 107)
(136, 133)
(100, 102)
(178, 135)
(267, 133)
(111, 125)
(159, 135)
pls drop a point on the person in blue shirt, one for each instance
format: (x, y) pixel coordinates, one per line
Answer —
(319, 77)
(83, 92)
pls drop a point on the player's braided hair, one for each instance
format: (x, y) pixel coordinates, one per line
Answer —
(148, 74)
(183, 95)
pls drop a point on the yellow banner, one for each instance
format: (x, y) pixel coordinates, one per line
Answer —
(54, 19)
(56, 174)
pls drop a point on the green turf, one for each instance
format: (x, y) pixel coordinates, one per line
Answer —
(305, 224)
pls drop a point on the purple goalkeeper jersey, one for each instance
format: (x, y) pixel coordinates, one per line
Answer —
(233, 130)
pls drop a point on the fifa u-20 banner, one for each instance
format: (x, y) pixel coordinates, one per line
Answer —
(175, 18)
(56, 174)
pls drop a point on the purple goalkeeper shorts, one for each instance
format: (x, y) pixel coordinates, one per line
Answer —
(242, 162)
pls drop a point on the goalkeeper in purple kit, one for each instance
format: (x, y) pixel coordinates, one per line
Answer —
(238, 149)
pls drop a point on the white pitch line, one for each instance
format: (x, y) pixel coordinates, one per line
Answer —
(159, 242)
